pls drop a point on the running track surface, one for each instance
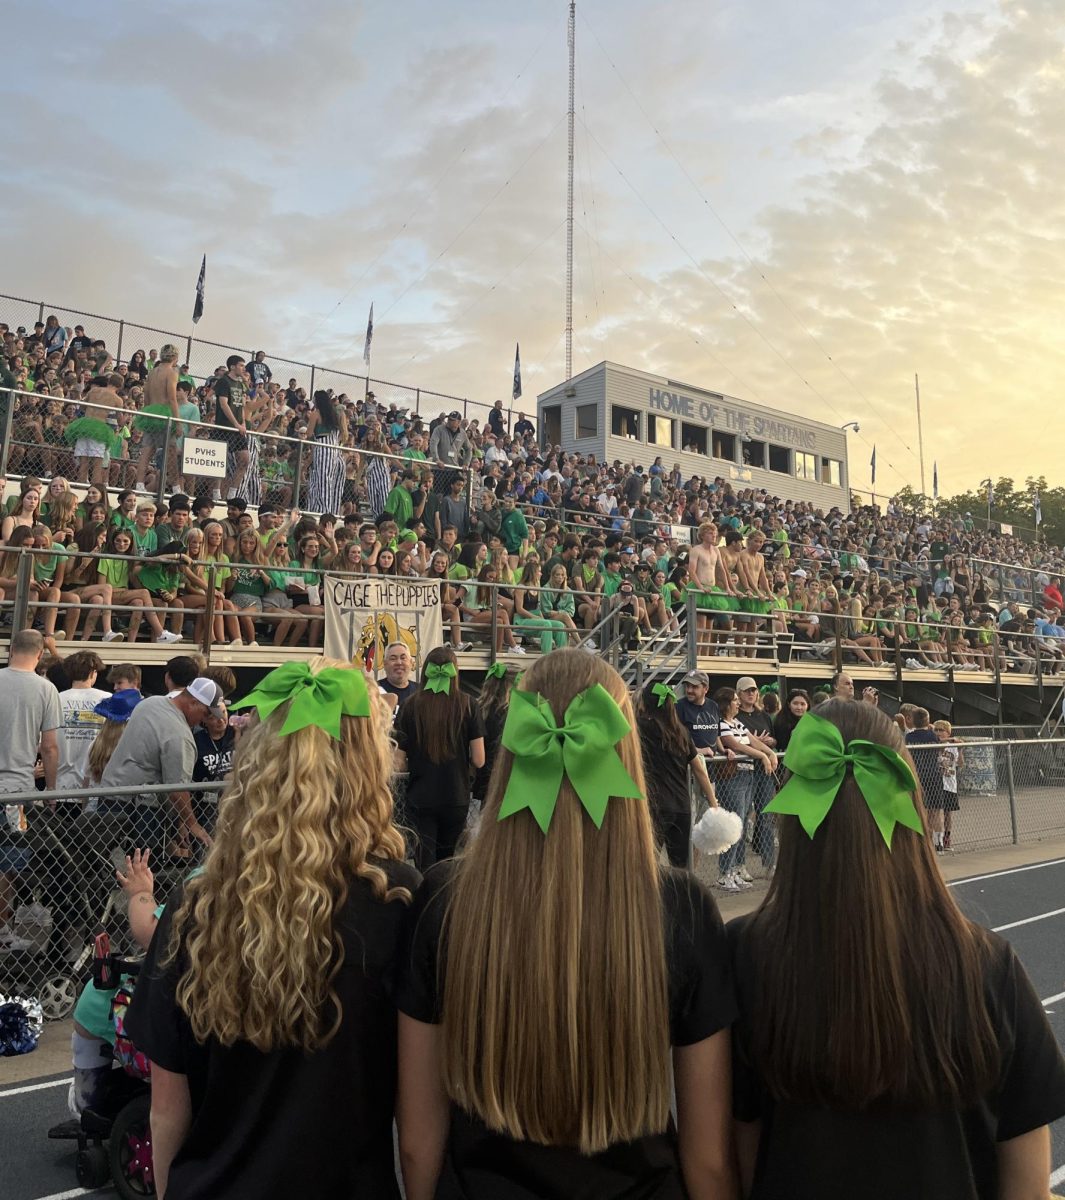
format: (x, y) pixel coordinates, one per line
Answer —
(1025, 904)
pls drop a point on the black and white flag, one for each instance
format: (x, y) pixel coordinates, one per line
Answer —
(197, 308)
(517, 371)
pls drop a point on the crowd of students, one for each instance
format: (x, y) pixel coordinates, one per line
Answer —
(554, 1011)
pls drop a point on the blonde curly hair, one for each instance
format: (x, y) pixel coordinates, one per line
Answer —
(302, 816)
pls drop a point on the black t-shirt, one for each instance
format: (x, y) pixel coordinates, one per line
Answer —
(927, 763)
(493, 734)
(817, 1154)
(233, 391)
(403, 693)
(703, 721)
(213, 759)
(288, 1123)
(666, 771)
(482, 1165)
(437, 785)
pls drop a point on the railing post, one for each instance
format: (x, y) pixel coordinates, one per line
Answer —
(312, 381)
(40, 312)
(1012, 793)
(118, 349)
(494, 595)
(23, 575)
(188, 352)
(9, 412)
(166, 462)
(691, 639)
(299, 475)
(208, 615)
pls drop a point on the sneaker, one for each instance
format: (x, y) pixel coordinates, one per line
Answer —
(744, 875)
(253, 645)
(589, 644)
(237, 642)
(727, 883)
(462, 647)
(139, 487)
(231, 493)
(517, 650)
(113, 636)
(216, 495)
(741, 884)
(60, 635)
(168, 637)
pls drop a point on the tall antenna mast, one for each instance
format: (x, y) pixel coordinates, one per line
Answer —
(572, 37)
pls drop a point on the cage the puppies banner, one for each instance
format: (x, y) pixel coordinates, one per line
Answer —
(363, 616)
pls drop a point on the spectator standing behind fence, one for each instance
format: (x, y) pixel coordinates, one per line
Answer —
(449, 449)
(30, 715)
(539, 1001)
(80, 721)
(951, 760)
(231, 393)
(157, 746)
(760, 727)
(882, 1036)
(327, 428)
(161, 404)
(928, 769)
(398, 666)
(440, 736)
(262, 1004)
(735, 788)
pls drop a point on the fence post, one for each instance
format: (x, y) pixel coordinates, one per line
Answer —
(493, 597)
(40, 312)
(691, 647)
(208, 615)
(299, 474)
(312, 381)
(118, 349)
(188, 351)
(166, 462)
(9, 413)
(1012, 793)
(23, 575)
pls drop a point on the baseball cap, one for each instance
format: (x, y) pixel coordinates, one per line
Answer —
(117, 707)
(454, 416)
(745, 683)
(799, 573)
(208, 693)
(697, 677)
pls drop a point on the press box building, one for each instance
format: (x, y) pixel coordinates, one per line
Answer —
(617, 412)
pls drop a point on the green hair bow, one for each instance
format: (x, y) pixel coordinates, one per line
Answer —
(766, 688)
(665, 694)
(438, 677)
(818, 761)
(583, 747)
(318, 700)
(498, 670)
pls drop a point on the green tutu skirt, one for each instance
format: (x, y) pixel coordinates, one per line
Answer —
(715, 600)
(749, 604)
(150, 421)
(94, 430)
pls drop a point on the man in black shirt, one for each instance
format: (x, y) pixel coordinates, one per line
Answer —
(700, 716)
(524, 426)
(760, 727)
(398, 665)
(230, 393)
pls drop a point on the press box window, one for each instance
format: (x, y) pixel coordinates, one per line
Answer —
(832, 472)
(587, 421)
(780, 459)
(754, 453)
(660, 431)
(725, 446)
(693, 438)
(805, 466)
(624, 422)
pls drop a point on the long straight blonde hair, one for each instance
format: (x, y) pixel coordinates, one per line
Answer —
(555, 1014)
(298, 821)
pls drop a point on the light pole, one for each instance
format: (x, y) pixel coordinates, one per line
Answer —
(857, 429)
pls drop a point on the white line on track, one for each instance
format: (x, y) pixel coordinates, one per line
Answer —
(72, 1193)
(1055, 912)
(1058, 1176)
(36, 1087)
(1052, 999)
(1057, 862)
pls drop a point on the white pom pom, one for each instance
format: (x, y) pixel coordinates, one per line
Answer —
(716, 831)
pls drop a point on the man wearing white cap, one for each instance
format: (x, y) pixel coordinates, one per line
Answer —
(157, 746)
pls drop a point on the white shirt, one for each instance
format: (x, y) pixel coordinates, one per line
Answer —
(77, 734)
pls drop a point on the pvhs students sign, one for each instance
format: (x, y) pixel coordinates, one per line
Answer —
(205, 458)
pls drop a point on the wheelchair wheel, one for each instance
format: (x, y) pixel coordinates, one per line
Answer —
(92, 1166)
(130, 1150)
(58, 994)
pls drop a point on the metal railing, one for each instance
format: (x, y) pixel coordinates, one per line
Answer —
(201, 358)
(1011, 582)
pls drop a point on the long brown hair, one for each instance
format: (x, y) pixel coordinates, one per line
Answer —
(439, 719)
(870, 980)
(555, 1010)
(662, 723)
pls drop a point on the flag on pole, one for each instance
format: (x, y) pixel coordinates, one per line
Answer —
(872, 465)
(517, 372)
(369, 337)
(1037, 505)
(935, 480)
(197, 308)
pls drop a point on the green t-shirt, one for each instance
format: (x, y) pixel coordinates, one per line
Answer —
(513, 530)
(146, 542)
(400, 505)
(159, 576)
(247, 581)
(45, 566)
(611, 582)
(114, 571)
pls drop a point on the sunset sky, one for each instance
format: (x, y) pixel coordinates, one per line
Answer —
(798, 204)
